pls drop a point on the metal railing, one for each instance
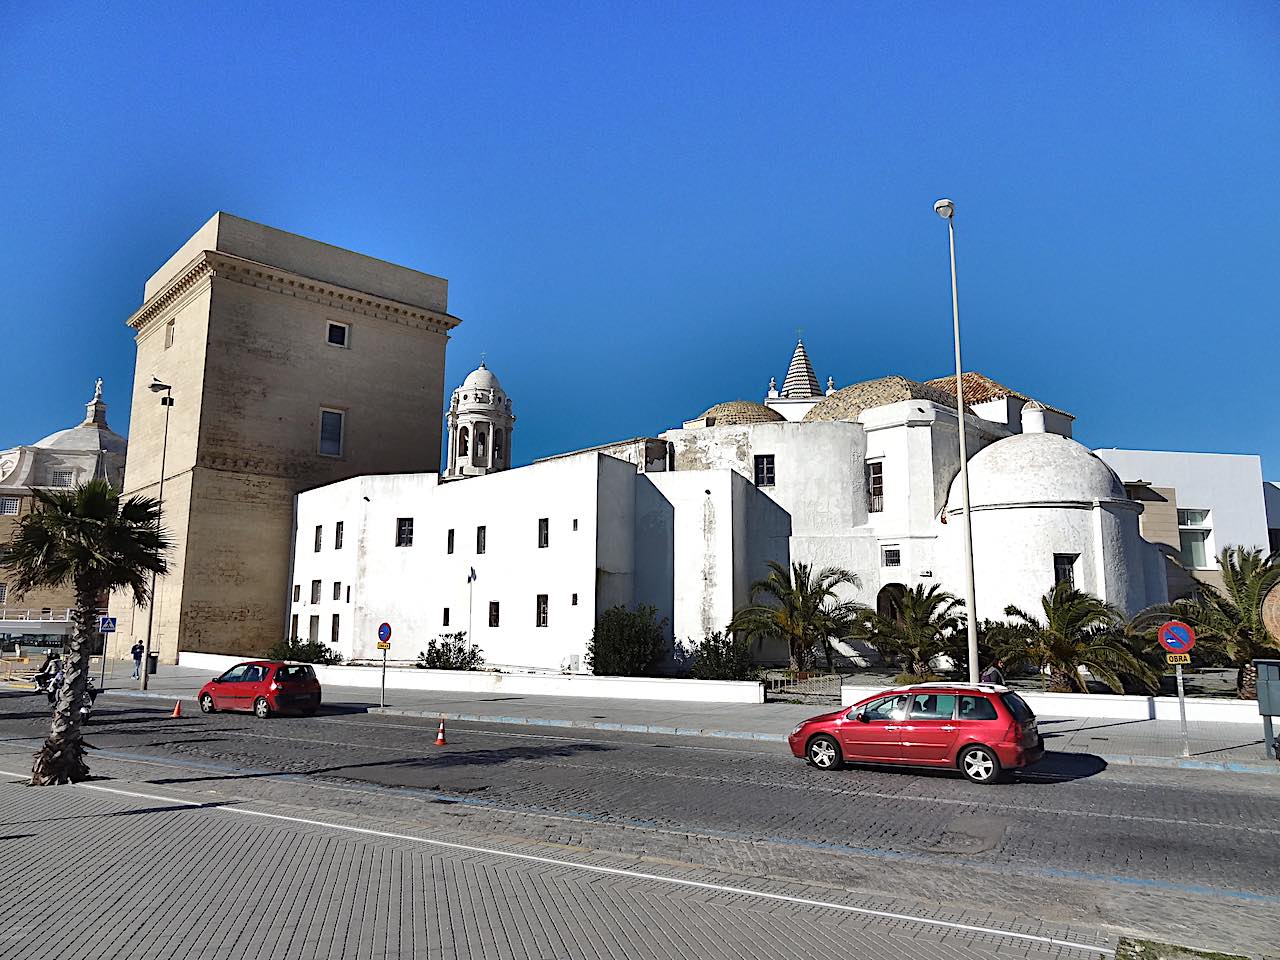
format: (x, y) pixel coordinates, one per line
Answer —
(875, 503)
(45, 614)
(788, 684)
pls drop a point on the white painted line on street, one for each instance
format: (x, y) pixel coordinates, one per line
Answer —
(610, 871)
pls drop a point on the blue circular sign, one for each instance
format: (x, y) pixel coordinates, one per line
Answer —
(1176, 637)
(384, 632)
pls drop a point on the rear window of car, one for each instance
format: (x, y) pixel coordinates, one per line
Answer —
(294, 673)
(977, 708)
(1018, 707)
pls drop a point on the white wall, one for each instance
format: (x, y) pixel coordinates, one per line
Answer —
(1229, 486)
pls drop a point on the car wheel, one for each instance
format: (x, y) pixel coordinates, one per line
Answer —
(261, 709)
(206, 704)
(824, 753)
(980, 765)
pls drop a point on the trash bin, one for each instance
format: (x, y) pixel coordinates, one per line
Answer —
(1269, 702)
(153, 662)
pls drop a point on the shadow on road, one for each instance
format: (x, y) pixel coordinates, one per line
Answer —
(1059, 767)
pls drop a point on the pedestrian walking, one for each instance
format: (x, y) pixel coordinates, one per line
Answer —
(993, 673)
(137, 660)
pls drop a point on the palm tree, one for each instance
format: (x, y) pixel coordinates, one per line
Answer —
(1231, 618)
(88, 538)
(1078, 630)
(801, 608)
(921, 627)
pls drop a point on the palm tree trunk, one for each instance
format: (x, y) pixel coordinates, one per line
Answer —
(61, 759)
(1247, 682)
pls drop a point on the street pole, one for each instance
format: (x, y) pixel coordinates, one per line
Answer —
(946, 209)
(167, 402)
(1182, 713)
(382, 695)
(471, 587)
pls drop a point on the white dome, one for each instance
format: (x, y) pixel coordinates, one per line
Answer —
(1036, 468)
(481, 378)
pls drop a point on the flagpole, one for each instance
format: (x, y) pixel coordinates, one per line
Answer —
(471, 586)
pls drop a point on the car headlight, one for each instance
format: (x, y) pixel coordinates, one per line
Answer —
(799, 727)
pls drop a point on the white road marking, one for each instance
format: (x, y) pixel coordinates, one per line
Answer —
(608, 871)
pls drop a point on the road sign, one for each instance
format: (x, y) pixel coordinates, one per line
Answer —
(106, 624)
(1176, 637)
(384, 645)
(384, 632)
(1175, 658)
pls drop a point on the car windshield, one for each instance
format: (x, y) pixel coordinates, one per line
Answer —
(1018, 707)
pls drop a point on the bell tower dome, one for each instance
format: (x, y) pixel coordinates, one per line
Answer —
(480, 424)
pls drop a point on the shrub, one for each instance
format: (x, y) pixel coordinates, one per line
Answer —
(723, 656)
(450, 651)
(627, 643)
(304, 651)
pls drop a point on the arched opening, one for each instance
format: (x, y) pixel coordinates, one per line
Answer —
(464, 442)
(497, 444)
(889, 600)
(480, 445)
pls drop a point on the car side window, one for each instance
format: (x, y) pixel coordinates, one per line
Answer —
(977, 708)
(235, 674)
(890, 708)
(254, 672)
(933, 706)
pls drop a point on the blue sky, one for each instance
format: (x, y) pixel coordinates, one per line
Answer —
(637, 207)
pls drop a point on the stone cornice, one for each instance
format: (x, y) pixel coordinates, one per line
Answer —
(212, 264)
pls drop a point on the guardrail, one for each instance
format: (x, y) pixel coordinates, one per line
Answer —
(43, 614)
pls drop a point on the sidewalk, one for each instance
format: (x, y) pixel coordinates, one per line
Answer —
(1158, 743)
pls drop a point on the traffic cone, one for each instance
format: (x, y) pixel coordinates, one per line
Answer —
(440, 740)
(177, 711)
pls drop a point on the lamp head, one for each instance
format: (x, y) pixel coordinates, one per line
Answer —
(945, 209)
(157, 386)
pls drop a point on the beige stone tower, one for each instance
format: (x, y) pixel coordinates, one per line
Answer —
(292, 364)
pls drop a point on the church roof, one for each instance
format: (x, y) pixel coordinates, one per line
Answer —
(978, 388)
(482, 378)
(738, 412)
(847, 402)
(801, 383)
(91, 434)
(1037, 468)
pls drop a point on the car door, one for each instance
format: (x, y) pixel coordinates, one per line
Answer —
(226, 687)
(253, 685)
(930, 729)
(872, 731)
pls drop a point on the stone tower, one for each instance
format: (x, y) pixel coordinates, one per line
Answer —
(292, 364)
(480, 425)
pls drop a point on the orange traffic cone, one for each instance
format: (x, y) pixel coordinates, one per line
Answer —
(440, 740)
(177, 710)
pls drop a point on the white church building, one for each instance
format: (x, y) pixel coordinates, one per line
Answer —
(864, 477)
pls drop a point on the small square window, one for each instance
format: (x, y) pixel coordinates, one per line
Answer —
(764, 470)
(337, 589)
(404, 532)
(448, 542)
(62, 478)
(1193, 518)
(319, 537)
(315, 591)
(444, 621)
(891, 557)
(338, 334)
(332, 427)
(337, 535)
(9, 506)
(168, 334)
(544, 533)
(481, 538)
(540, 617)
(297, 592)
(1064, 568)
(493, 613)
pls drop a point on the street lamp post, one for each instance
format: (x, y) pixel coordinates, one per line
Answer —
(947, 211)
(167, 402)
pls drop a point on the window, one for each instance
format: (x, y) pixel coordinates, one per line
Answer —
(333, 629)
(574, 602)
(9, 506)
(764, 470)
(297, 592)
(977, 708)
(315, 591)
(293, 626)
(61, 478)
(444, 621)
(331, 428)
(875, 486)
(337, 590)
(480, 445)
(464, 442)
(891, 556)
(1064, 568)
(313, 632)
(540, 617)
(480, 539)
(575, 524)
(319, 536)
(168, 334)
(4, 592)
(348, 593)
(1193, 534)
(889, 708)
(235, 674)
(932, 706)
(493, 613)
(544, 532)
(337, 535)
(338, 333)
(448, 542)
(1018, 707)
(404, 532)
(497, 445)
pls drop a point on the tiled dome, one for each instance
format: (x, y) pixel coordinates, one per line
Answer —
(737, 412)
(848, 402)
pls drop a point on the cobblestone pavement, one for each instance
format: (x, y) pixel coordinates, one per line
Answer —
(1184, 856)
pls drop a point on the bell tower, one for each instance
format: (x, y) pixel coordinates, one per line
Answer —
(480, 424)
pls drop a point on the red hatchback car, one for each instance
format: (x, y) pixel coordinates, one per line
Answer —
(265, 687)
(981, 729)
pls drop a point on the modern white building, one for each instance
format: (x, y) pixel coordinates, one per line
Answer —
(526, 559)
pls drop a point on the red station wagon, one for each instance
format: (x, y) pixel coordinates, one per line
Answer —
(265, 687)
(983, 730)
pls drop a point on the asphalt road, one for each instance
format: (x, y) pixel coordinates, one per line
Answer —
(1184, 856)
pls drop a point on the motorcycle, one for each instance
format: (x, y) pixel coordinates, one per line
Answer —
(50, 670)
(87, 699)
